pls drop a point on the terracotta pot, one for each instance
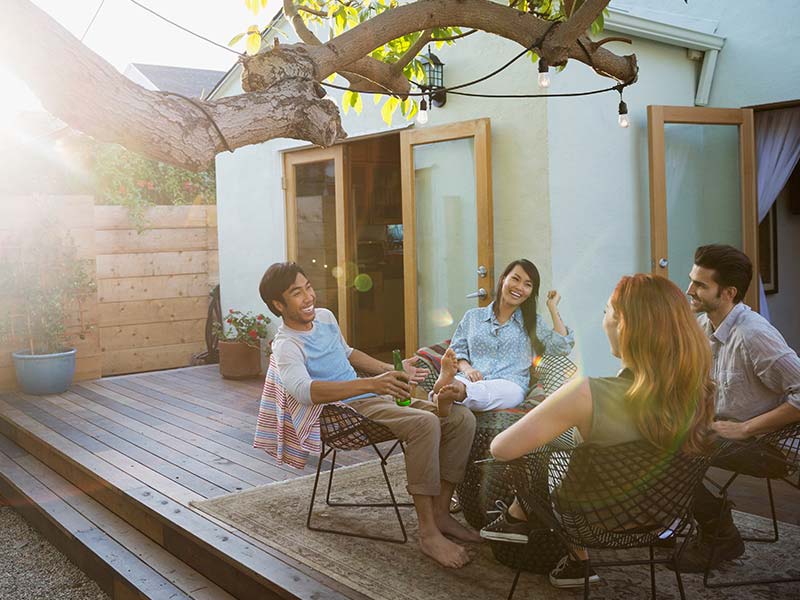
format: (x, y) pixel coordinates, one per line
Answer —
(239, 361)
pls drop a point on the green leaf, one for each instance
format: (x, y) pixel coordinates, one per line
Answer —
(359, 104)
(235, 39)
(376, 98)
(347, 101)
(253, 43)
(414, 110)
(389, 107)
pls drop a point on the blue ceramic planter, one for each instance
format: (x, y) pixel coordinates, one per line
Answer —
(41, 374)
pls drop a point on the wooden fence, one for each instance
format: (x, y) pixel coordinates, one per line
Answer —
(152, 287)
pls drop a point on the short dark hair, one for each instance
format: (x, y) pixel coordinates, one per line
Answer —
(276, 280)
(731, 266)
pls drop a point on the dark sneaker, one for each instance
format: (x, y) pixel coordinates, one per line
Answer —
(695, 557)
(506, 528)
(570, 573)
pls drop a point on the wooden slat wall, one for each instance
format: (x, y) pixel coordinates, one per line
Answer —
(152, 287)
(74, 215)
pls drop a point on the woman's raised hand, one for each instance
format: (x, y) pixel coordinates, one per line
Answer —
(553, 298)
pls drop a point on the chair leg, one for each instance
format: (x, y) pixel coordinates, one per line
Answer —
(652, 574)
(323, 453)
(586, 564)
(514, 585)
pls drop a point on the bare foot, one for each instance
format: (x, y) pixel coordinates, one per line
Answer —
(443, 551)
(445, 398)
(448, 372)
(449, 526)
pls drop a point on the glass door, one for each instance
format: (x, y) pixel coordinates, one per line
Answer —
(316, 225)
(448, 253)
(702, 186)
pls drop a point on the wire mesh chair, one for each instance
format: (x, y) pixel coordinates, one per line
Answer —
(630, 495)
(775, 455)
(482, 486)
(551, 372)
(342, 428)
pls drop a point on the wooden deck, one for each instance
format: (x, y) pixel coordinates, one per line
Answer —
(108, 468)
(107, 471)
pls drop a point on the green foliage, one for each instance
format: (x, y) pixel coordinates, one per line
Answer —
(128, 179)
(44, 283)
(338, 16)
(245, 328)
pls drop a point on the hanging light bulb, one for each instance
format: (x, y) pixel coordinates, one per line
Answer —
(422, 115)
(544, 75)
(623, 120)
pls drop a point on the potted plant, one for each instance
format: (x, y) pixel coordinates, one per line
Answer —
(44, 285)
(240, 344)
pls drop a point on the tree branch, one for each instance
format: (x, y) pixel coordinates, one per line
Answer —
(415, 49)
(485, 15)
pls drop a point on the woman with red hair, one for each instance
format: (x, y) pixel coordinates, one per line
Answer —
(663, 394)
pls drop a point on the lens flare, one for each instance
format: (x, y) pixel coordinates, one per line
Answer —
(441, 317)
(362, 282)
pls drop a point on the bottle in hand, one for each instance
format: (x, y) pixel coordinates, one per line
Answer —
(398, 366)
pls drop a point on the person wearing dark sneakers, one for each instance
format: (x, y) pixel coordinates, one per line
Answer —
(663, 394)
(507, 527)
(571, 573)
(758, 388)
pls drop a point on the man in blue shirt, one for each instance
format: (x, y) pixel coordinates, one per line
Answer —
(318, 367)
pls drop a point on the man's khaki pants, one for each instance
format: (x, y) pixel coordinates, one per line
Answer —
(436, 448)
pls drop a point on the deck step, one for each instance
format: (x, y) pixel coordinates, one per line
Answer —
(143, 500)
(124, 562)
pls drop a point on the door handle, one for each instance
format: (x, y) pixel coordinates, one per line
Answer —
(481, 293)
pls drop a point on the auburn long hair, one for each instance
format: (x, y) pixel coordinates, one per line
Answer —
(672, 396)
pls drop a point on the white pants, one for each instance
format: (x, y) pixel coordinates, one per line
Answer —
(491, 394)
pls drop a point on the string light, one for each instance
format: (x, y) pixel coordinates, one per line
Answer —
(544, 74)
(623, 120)
(422, 115)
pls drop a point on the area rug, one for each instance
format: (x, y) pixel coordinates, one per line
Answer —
(275, 514)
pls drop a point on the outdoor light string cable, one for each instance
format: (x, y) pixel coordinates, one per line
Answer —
(89, 26)
(452, 89)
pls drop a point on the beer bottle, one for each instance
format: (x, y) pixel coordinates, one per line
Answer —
(398, 366)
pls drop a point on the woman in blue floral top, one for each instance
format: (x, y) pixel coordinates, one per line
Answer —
(488, 363)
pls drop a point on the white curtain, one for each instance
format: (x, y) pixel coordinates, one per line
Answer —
(777, 153)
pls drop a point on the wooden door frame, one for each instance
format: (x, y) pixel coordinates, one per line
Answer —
(657, 117)
(344, 244)
(480, 131)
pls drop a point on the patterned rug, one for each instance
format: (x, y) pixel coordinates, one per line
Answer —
(275, 514)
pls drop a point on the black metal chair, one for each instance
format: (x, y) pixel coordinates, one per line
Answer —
(342, 428)
(772, 456)
(551, 372)
(482, 486)
(630, 495)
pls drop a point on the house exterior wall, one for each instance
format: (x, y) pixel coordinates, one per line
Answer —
(599, 187)
(570, 187)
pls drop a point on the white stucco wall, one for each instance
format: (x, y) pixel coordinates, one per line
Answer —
(759, 63)
(599, 188)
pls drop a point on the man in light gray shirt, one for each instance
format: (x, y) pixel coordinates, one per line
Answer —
(317, 367)
(758, 384)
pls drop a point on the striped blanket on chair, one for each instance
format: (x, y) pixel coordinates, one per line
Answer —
(286, 429)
